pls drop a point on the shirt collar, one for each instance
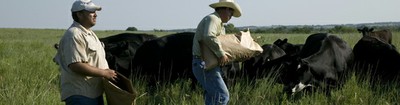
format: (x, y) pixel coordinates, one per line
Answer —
(86, 31)
(216, 14)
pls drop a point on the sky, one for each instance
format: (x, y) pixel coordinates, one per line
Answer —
(181, 14)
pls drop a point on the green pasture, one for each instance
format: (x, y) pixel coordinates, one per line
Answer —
(28, 76)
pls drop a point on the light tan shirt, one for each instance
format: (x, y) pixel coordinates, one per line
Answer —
(80, 45)
(207, 31)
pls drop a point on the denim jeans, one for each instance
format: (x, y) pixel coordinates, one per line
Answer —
(82, 100)
(216, 92)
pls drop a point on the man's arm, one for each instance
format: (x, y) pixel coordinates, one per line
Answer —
(86, 69)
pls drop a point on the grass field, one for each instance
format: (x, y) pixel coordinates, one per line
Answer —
(28, 76)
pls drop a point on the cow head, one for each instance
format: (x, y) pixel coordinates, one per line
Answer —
(281, 43)
(365, 31)
(302, 78)
(287, 69)
(271, 52)
(119, 55)
(289, 48)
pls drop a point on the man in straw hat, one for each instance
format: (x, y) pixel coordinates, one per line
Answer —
(81, 57)
(208, 29)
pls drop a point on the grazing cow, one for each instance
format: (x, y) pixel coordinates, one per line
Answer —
(384, 35)
(254, 68)
(264, 65)
(324, 61)
(121, 48)
(251, 67)
(376, 60)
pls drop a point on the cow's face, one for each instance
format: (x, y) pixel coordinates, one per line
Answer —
(304, 77)
(272, 52)
(288, 72)
(300, 77)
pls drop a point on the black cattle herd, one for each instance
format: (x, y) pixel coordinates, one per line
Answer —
(324, 61)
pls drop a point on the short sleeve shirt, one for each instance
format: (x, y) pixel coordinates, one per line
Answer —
(80, 45)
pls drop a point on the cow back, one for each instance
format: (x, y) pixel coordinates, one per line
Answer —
(312, 44)
(376, 60)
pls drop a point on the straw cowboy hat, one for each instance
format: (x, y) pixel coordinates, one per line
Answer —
(228, 3)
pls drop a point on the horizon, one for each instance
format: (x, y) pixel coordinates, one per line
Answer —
(181, 14)
(195, 28)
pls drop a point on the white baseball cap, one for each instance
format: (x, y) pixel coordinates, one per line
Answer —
(84, 5)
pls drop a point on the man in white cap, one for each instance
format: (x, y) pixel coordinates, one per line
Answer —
(211, 26)
(81, 57)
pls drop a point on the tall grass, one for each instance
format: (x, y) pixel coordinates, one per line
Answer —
(28, 76)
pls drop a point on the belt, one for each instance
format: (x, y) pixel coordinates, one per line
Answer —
(196, 57)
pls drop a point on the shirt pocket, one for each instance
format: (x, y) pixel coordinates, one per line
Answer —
(92, 46)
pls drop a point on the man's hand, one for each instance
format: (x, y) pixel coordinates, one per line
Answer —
(238, 35)
(223, 60)
(110, 74)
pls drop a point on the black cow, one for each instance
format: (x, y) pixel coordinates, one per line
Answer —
(254, 68)
(291, 49)
(264, 65)
(251, 67)
(324, 61)
(164, 59)
(167, 59)
(376, 60)
(270, 52)
(383, 35)
(121, 48)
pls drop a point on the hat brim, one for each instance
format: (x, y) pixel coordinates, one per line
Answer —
(237, 11)
(93, 8)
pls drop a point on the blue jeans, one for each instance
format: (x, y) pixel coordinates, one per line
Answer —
(82, 100)
(216, 92)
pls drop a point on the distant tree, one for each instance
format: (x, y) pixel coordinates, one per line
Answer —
(230, 28)
(158, 30)
(131, 29)
(303, 29)
(342, 29)
(280, 29)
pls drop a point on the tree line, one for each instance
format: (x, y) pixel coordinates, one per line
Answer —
(300, 29)
(309, 29)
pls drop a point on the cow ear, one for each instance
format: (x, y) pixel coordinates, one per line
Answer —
(285, 40)
(371, 29)
(359, 30)
(365, 29)
(277, 42)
